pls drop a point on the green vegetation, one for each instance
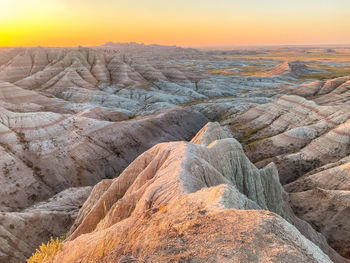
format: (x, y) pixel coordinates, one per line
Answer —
(319, 55)
(251, 70)
(316, 58)
(131, 117)
(331, 72)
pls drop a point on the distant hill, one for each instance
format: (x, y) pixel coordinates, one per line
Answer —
(292, 69)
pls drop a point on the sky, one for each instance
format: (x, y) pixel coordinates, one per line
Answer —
(174, 22)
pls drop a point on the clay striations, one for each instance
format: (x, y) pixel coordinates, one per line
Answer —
(44, 153)
(21, 232)
(192, 201)
(310, 145)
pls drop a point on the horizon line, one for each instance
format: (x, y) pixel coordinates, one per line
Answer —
(188, 46)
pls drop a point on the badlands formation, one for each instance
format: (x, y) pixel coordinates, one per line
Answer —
(112, 147)
(197, 201)
(310, 144)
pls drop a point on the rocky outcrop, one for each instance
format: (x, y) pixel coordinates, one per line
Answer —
(126, 78)
(328, 211)
(194, 202)
(82, 78)
(324, 92)
(295, 133)
(290, 69)
(44, 153)
(322, 198)
(22, 232)
(310, 145)
(71, 117)
(332, 176)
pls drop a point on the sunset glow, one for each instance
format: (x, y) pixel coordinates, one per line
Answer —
(180, 22)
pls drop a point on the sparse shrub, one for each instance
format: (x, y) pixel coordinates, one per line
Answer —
(131, 117)
(23, 141)
(47, 251)
(33, 197)
(12, 226)
(37, 169)
(116, 151)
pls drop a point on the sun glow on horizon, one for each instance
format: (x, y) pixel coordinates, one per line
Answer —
(181, 22)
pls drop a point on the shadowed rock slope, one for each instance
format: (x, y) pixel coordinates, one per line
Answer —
(21, 232)
(199, 201)
(310, 145)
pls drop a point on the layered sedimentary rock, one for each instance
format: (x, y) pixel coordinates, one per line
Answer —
(196, 201)
(70, 117)
(310, 145)
(44, 153)
(330, 176)
(126, 78)
(322, 198)
(328, 211)
(324, 92)
(289, 69)
(297, 134)
(23, 231)
(80, 78)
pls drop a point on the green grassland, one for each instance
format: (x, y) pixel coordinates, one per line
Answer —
(321, 59)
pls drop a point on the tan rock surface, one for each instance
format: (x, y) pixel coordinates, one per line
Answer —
(326, 92)
(183, 201)
(44, 153)
(291, 69)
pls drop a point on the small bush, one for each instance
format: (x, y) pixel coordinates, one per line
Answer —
(131, 117)
(47, 251)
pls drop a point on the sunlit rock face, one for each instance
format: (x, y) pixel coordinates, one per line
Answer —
(289, 69)
(324, 92)
(194, 201)
(71, 118)
(44, 153)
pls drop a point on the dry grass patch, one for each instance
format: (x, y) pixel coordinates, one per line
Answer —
(47, 251)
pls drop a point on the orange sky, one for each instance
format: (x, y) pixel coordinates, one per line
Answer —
(180, 22)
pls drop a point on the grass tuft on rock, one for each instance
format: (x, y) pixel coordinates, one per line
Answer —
(46, 252)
